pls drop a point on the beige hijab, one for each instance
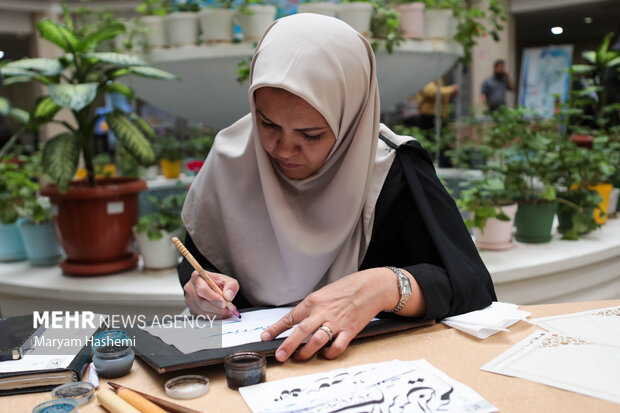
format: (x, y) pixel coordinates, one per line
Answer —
(284, 238)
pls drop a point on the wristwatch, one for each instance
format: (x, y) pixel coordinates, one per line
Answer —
(404, 288)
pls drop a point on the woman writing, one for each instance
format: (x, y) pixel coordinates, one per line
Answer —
(310, 200)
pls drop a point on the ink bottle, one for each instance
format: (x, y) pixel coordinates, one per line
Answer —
(112, 353)
(57, 406)
(245, 368)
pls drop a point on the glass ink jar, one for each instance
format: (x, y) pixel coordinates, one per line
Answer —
(245, 368)
(80, 391)
(57, 406)
(112, 353)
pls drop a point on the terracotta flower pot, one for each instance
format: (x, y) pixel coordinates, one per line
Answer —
(584, 141)
(94, 224)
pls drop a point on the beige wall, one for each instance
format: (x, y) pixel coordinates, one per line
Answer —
(484, 54)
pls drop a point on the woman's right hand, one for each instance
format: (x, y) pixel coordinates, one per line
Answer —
(202, 300)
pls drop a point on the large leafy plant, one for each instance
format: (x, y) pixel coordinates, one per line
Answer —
(74, 81)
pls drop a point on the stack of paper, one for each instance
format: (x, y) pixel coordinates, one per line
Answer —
(581, 353)
(412, 386)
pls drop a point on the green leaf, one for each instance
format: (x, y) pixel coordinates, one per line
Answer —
(143, 125)
(120, 88)
(17, 79)
(590, 56)
(108, 32)
(614, 62)
(15, 71)
(579, 69)
(75, 97)
(58, 34)
(19, 115)
(131, 137)
(153, 73)
(5, 106)
(60, 158)
(117, 59)
(45, 66)
(44, 111)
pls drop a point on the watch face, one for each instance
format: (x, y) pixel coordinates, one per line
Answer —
(406, 287)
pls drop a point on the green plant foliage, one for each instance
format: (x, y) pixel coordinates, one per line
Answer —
(19, 192)
(169, 147)
(154, 7)
(74, 81)
(61, 155)
(483, 197)
(131, 137)
(385, 25)
(167, 217)
(74, 97)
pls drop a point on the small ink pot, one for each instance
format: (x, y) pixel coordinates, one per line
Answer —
(112, 353)
(80, 391)
(245, 368)
(57, 406)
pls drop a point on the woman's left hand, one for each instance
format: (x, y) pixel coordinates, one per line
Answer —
(345, 307)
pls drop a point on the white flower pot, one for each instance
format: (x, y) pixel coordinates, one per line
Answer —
(325, 8)
(217, 24)
(412, 19)
(356, 15)
(158, 254)
(149, 173)
(439, 24)
(613, 202)
(497, 235)
(182, 29)
(156, 35)
(254, 25)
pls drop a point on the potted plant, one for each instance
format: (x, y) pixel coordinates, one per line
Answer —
(12, 179)
(528, 166)
(36, 226)
(325, 8)
(412, 18)
(357, 14)
(464, 21)
(217, 22)
(492, 210)
(182, 26)
(94, 218)
(169, 151)
(153, 12)
(385, 25)
(198, 147)
(155, 229)
(255, 16)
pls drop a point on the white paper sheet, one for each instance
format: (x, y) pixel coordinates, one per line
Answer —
(488, 321)
(567, 363)
(234, 332)
(394, 386)
(599, 326)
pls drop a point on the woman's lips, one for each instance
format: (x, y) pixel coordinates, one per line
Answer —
(287, 165)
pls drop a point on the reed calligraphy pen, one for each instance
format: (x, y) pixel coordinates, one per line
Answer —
(205, 275)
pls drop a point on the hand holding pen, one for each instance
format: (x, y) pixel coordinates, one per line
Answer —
(204, 288)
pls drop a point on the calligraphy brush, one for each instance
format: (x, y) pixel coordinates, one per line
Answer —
(165, 404)
(190, 258)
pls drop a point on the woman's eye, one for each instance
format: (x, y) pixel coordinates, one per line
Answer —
(311, 137)
(267, 124)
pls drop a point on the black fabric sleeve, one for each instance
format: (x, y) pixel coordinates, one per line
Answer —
(418, 228)
(185, 269)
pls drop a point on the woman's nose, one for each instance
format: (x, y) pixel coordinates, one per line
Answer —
(286, 147)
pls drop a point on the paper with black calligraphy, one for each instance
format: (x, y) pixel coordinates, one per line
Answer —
(393, 386)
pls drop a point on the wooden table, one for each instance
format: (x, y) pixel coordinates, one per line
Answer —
(458, 355)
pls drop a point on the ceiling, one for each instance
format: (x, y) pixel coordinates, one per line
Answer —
(534, 27)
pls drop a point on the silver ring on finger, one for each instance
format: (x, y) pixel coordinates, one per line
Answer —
(327, 330)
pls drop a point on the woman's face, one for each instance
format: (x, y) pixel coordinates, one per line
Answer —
(294, 134)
